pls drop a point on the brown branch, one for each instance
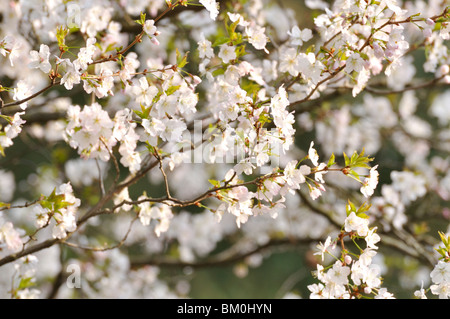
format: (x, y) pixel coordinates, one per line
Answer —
(320, 210)
(30, 250)
(408, 88)
(59, 279)
(366, 43)
(161, 168)
(15, 103)
(137, 39)
(57, 283)
(226, 258)
(27, 204)
(118, 245)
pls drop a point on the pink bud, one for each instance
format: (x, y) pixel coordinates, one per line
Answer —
(197, 80)
(155, 41)
(430, 22)
(321, 187)
(348, 259)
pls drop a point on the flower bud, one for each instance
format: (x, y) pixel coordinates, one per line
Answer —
(430, 22)
(348, 259)
(154, 41)
(197, 80)
(443, 70)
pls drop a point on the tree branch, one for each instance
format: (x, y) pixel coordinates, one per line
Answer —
(226, 258)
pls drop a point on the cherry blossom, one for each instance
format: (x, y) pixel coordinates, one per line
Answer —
(212, 7)
(40, 59)
(299, 36)
(188, 134)
(227, 53)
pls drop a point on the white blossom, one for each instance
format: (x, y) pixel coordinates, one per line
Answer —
(227, 53)
(212, 6)
(298, 37)
(40, 59)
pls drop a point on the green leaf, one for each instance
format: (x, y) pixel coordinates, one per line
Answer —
(9, 119)
(181, 60)
(441, 251)
(139, 113)
(346, 159)
(357, 160)
(220, 41)
(331, 161)
(354, 174)
(350, 208)
(362, 215)
(150, 148)
(363, 208)
(171, 90)
(141, 20)
(364, 56)
(240, 51)
(445, 239)
(232, 27)
(25, 283)
(264, 118)
(54, 202)
(145, 111)
(62, 204)
(61, 33)
(218, 72)
(312, 48)
(214, 183)
(361, 211)
(54, 198)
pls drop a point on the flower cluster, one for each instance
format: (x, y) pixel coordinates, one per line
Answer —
(94, 134)
(240, 128)
(353, 275)
(161, 215)
(25, 270)
(61, 207)
(440, 275)
(10, 238)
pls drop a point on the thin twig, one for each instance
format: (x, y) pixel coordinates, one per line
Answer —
(118, 245)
